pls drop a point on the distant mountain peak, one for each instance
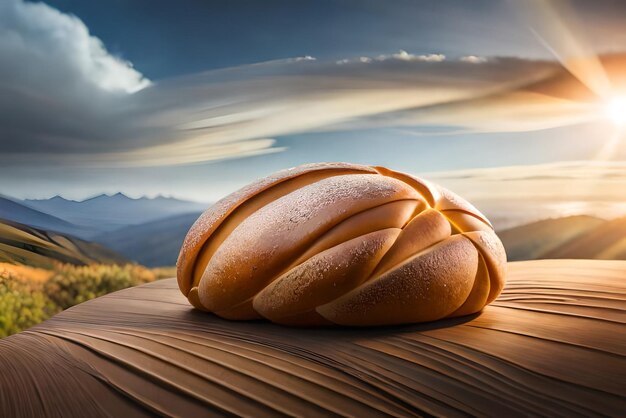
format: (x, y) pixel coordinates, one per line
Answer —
(162, 197)
(58, 198)
(97, 197)
(120, 195)
(55, 198)
(104, 196)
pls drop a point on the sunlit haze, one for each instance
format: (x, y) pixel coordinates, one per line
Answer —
(616, 109)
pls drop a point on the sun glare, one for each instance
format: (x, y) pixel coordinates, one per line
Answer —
(616, 110)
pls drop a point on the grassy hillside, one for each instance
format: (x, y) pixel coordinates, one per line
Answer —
(605, 242)
(35, 247)
(533, 240)
(582, 237)
(43, 272)
(30, 295)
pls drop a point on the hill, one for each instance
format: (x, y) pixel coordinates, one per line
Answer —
(109, 212)
(14, 211)
(551, 344)
(538, 239)
(36, 247)
(606, 241)
(152, 244)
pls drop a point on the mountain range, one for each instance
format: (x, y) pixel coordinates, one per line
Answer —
(154, 244)
(151, 231)
(18, 212)
(105, 213)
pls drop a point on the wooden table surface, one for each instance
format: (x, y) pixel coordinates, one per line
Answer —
(554, 343)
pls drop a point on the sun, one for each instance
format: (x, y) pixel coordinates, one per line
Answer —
(616, 110)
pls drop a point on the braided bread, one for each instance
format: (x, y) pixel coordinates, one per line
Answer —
(344, 244)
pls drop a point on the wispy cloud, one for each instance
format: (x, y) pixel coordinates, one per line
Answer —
(587, 181)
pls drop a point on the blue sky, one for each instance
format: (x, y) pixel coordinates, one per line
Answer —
(197, 98)
(165, 39)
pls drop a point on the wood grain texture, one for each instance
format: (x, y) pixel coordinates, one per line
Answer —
(553, 343)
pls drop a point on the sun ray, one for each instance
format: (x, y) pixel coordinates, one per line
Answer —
(555, 25)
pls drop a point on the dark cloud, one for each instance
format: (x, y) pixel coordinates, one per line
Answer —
(60, 90)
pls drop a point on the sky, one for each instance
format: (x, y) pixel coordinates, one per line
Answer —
(194, 99)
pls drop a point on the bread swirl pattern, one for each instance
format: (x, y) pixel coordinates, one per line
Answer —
(341, 244)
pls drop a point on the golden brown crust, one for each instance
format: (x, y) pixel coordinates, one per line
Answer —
(211, 219)
(341, 244)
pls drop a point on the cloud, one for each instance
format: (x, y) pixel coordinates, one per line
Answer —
(66, 100)
(363, 60)
(37, 40)
(305, 58)
(402, 55)
(60, 90)
(473, 59)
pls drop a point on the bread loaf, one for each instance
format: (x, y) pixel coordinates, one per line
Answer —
(343, 244)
